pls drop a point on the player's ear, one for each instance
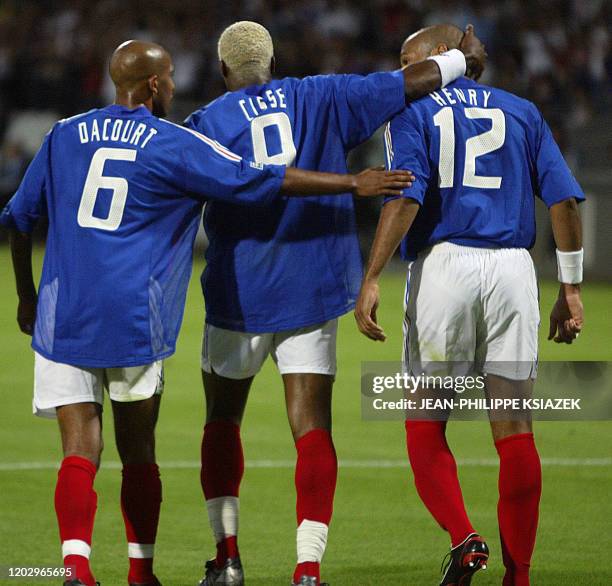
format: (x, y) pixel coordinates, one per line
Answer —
(441, 48)
(224, 69)
(153, 83)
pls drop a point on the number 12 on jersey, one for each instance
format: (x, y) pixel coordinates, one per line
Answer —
(475, 147)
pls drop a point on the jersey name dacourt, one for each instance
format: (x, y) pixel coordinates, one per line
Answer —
(257, 105)
(116, 130)
(472, 97)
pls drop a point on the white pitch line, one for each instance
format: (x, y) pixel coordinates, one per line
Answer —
(193, 464)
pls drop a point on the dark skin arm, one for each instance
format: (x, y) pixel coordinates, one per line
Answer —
(368, 183)
(423, 78)
(566, 317)
(21, 251)
(395, 220)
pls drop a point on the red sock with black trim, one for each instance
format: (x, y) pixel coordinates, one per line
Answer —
(75, 507)
(520, 487)
(316, 474)
(141, 497)
(221, 474)
(435, 477)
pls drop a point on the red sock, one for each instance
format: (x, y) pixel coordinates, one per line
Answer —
(141, 497)
(520, 486)
(221, 474)
(435, 477)
(75, 506)
(316, 473)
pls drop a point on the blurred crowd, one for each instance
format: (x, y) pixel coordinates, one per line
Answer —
(53, 53)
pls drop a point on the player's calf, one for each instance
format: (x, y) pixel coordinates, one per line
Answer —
(141, 488)
(520, 487)
(315, 480)
(435, 477)
(221, 474)
(75, 498)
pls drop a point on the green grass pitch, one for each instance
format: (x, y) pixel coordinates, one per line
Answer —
(380, 535)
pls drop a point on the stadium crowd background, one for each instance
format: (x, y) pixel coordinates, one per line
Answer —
(53, 58)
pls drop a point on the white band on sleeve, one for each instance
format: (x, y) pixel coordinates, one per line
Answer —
(569, 266)
(452, 65)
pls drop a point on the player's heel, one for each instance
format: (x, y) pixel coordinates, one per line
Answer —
(464, 560)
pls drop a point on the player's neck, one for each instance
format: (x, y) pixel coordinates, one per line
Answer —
(234, 85)
(130, 101)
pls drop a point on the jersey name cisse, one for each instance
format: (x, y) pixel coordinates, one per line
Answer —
(257, 105)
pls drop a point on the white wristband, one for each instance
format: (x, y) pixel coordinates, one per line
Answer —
(569, 266)
(452, 65)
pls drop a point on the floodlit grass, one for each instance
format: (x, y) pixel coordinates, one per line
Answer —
(380, 535)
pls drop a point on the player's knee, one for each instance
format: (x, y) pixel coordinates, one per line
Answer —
(302, 426)
(136, 448)
(503, 429)
(220, 413)
(306, 418)
(85, 448)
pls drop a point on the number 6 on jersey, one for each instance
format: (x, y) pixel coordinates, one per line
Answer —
(96, 181)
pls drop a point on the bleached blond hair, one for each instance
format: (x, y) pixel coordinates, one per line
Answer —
(246, 48)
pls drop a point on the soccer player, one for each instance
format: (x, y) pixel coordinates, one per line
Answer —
(123, 191)
(277, 280)
(480, 156)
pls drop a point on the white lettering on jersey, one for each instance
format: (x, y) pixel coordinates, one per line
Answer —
(449, 96)
(125, 131)
(259, 104)
(137, 134)
(474, 97)
(437, 98)
(241, 103)
(95, 132)
(83, 132)
(271, 98)
(152, 133)
(460, 95)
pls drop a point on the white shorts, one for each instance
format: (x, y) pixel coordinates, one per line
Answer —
(241, 355)
(57, 384)
(473, 305)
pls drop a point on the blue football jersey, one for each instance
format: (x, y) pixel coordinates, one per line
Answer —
(296, 263)
(123, 192)
(480, 156)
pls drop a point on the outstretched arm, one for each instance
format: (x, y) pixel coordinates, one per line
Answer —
(427, 76)
(566, 317)
(368, 183)
(395, 220)
(21, 251)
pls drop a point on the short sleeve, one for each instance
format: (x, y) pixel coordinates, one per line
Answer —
(364, 103)
(406, 149)
(555, 181)
(212, 171)
(29, 202)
